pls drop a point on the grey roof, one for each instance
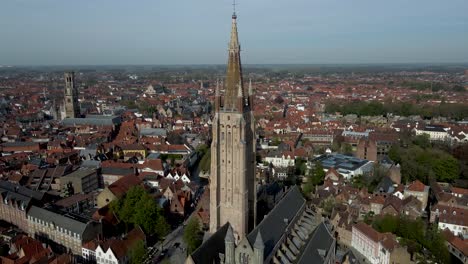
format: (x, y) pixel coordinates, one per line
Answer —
(209, 251)
(65, 220)
(80, 173)
(117, 171)
(385, 185)
(94, 120)
(19, 144)
(320, 242)
(153, 156)
(17, 198)
(434, 128)
(153, 132)
(340, 161)
(272, 227)
(229, 235)
(91, 164)
(259, 241)
(21, 190)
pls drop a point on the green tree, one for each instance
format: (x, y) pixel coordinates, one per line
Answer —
(137, 207)
(137, 253)
(436, 244)
(422, 141)
(300, 166)
(318, 174)
(149, 216)
(205, 162)
(347, 149)
(132, 197)
(193, 236)
(394, 153)
(328, 206)
(387, 223)
(446, 168)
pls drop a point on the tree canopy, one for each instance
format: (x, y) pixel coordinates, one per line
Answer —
(315, 177)
(193, 236)
(363, 108)
(423, 164)
(415, 235)
(137, 253)
(137, 207)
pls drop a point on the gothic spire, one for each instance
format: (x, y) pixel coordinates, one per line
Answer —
(234, 70)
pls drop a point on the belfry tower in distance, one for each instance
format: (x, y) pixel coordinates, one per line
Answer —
(232, 176)
(72, 107)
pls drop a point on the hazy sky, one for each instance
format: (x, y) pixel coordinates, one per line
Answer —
(66, 32)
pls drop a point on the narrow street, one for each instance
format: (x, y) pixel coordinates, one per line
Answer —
(173, 248)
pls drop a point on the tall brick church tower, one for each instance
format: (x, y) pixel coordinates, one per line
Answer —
(232, 176)
(72, 107)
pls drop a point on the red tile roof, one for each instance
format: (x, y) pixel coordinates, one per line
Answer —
(122, 185)
(417, 186)
(367, 231)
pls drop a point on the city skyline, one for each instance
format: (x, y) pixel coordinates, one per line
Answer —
(183, 32)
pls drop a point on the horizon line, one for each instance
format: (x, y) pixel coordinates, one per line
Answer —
(243, 64)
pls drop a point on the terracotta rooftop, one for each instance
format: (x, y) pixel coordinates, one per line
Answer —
(417, 186)
(367, 231)
(122, 185)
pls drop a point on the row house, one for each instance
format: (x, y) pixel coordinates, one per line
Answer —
(453, 218)
(378, 248)
(65, 231)
(435, 132)
(444, 194)
(153, 166)
(113, 251)
(283, 160)
(457, 246)
(418, 190)
(24, 249)
(16, 201)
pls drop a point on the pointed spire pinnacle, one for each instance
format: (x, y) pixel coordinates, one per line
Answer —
(240, 93)
(217, 88)
(234, 71)
(250, 87)
(234, 8)
(258, 244)
(229, 235)
(234, 42)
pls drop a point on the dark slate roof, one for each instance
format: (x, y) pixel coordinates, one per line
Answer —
(68, 221)
(117, 171)
(385, 185)
(11, 187)
(20, 200)
(94, 164)
(94, 120)
(273, 225)
(153, 132)
(434, 128)
(320, 240)
(19, 144)
(209, 251)
(340, 161)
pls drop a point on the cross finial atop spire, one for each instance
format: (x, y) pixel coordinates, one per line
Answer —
(234, 9)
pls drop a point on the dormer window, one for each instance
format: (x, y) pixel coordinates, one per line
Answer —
(454, 213)
(445, 211)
